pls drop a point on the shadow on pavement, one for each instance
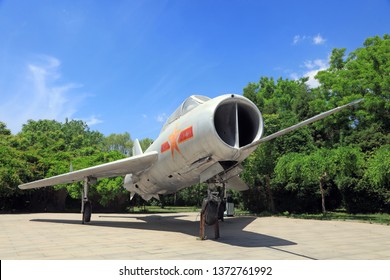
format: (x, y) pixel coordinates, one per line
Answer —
(232, 230)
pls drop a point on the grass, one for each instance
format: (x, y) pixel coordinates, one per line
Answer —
(378, 218)
(175, 209)
(166, 209)
(341, 215)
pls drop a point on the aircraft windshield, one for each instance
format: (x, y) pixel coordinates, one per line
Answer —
(189, 104)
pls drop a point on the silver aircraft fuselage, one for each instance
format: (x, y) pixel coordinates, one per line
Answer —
(199, 143)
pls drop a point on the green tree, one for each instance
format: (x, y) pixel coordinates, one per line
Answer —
(378, 175)
(310, 178)
(119, 142)
(145, 143)
(283, 103)
(364, 73)
(4, 130)
(13, 171)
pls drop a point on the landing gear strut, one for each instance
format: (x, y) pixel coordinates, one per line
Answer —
(211, 213)
(86, 206)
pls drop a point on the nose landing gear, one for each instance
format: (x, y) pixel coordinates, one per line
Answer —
(212, 211)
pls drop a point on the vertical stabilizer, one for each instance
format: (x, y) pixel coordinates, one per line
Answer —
(137, 150)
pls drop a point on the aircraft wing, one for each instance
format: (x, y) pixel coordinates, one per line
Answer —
(301, 124)
(112, 169)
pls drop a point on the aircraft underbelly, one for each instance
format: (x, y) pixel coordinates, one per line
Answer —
(182, 175)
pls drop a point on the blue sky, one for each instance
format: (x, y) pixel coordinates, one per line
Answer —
(124, 66)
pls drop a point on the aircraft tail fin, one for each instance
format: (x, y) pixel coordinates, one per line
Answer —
(137, 150)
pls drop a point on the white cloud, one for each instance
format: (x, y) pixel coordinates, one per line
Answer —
(311, 68)
(309, 64)
(40, 93)
(314, 66)
(294, 76)
(317, 63)
(162, 118)
(93, 120)
(318, 40)
(312, 82)
(298, 39)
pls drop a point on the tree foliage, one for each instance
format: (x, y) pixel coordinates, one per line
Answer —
(47, 148)
(347, 150)
(119, 142)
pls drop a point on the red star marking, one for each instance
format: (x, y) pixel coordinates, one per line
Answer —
(173, 141)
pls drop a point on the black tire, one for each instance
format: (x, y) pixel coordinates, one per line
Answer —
(221, 210)
(87, 212)
(211, 215)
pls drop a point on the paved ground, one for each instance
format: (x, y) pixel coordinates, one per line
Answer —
(173, 236)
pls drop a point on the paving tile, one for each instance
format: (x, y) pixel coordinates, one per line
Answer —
(174, 236)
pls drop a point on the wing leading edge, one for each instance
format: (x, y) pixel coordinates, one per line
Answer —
(112, 169)
(301, 124)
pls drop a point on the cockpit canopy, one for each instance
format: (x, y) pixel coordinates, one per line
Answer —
(189, 104)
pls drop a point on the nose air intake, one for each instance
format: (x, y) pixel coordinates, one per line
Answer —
(238, 122)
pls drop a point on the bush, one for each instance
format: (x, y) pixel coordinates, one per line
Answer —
(359, 197)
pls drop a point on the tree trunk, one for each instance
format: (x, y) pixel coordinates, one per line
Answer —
(322, 178)
(271, 205)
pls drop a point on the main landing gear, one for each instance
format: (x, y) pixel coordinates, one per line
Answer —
(86, 206)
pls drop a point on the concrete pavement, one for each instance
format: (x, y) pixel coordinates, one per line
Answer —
(174, 236)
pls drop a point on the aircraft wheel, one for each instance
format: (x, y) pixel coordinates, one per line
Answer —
(211, 215)
(87, 212)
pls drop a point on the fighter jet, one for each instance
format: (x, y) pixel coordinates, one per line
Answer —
(204, 140)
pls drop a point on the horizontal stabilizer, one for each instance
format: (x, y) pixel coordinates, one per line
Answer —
(112, 169)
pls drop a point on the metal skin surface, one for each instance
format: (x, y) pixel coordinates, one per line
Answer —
(184, 162)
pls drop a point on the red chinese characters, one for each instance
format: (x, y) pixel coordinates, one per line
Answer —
(186, 134)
